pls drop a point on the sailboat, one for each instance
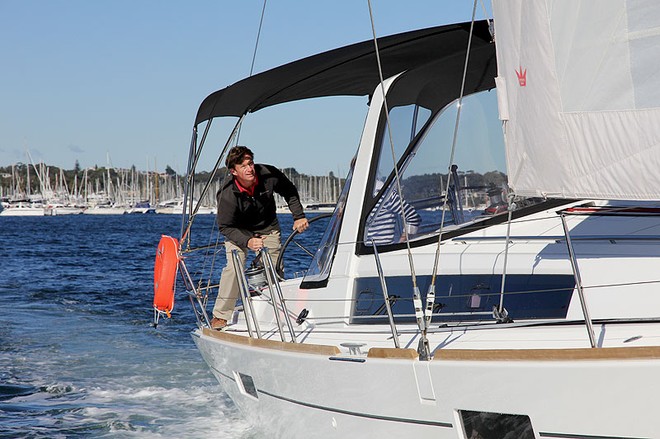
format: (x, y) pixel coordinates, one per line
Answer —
(22, 207)
(539, 321)
(22, 202)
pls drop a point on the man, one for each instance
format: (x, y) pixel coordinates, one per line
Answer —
(247, 218)
(385, 222)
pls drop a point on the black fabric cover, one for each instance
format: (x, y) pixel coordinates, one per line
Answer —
(436, 55)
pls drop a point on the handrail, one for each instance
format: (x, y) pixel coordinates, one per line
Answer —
(200, 313)
(559, 238)
(245, 294)
(500, 313)
(273, 282)
(578, 282)
(386, 297)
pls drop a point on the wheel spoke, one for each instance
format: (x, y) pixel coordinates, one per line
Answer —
(291, 240)
(303, 248)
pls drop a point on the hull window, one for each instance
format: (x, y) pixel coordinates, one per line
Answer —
(486, 425)
(461, 298)
(246, 385)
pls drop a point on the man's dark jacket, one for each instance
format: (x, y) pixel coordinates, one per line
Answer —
(241, 217)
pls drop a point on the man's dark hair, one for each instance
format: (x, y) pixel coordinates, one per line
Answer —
(236, 155)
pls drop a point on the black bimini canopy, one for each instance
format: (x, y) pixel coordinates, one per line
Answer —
(353, 70)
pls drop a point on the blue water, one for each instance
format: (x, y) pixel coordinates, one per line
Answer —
(78, 354)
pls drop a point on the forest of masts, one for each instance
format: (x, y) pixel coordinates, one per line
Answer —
(129, 186)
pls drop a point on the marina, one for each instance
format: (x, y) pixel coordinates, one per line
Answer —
(133, 192)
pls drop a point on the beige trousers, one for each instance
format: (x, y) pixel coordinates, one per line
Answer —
(228, 290)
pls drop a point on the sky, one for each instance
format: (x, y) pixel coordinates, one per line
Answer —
(118, 82)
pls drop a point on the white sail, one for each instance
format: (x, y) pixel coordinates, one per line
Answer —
(579, 91)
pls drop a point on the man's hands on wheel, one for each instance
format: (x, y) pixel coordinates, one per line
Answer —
(300, 225)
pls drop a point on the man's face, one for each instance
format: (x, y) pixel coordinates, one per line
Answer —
(244, 172)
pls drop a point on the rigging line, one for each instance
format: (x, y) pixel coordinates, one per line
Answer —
(423, 349)
(389, 131)
(188, 185)
(209, 181)
(430, 295)
(502, 315)
(211, 250)
(453, 148)
(254, 54)
(256, 43)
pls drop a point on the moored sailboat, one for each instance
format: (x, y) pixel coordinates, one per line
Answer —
(21, 208)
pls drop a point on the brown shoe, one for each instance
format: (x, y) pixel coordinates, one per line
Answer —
(218, 324)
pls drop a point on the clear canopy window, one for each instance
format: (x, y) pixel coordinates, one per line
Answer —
(467, 187)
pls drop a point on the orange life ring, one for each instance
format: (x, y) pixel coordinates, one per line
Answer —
(165, 270)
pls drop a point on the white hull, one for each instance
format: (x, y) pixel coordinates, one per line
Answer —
(63, 210)
(105, 211)
(387, 397)
(179, 210)
(22, 211)
(542, 369)
(175, 207)
(320, 210)
(169, 210)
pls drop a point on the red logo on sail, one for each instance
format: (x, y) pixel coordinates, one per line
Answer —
(522, 76)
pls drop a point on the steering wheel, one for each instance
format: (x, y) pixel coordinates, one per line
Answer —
(291, 239)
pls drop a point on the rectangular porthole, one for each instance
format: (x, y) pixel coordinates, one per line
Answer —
(246, 385)
(486, 425)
